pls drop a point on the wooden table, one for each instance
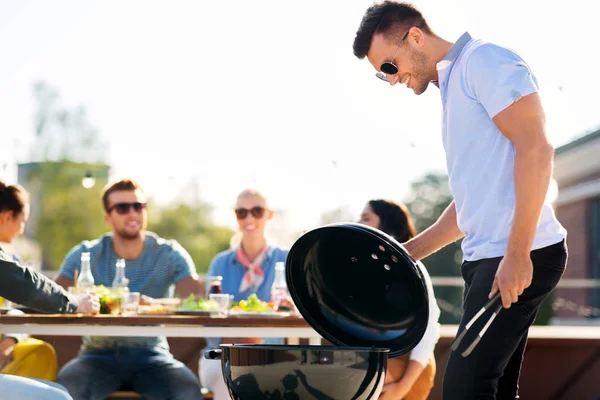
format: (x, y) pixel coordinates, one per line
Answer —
(205, 326)
(159, 325)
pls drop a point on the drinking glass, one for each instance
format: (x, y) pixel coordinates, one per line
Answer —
(130, 304)
(223, 300)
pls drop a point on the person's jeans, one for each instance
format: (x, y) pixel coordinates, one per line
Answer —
(20, 388)
(492, 370)
(154, 374)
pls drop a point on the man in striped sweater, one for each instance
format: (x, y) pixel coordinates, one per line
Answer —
(153, 267)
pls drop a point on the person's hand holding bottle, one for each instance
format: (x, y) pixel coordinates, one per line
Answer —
(87, 302)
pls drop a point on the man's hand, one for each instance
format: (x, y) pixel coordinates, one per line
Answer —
(395, 390)
(146, 300)
(443, 232)
(512, 278)
(87, 302)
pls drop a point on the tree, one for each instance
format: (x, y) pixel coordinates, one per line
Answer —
(428, 199)
(66, 212)
(63, 133)
(193, 228)
(339, 214)
(65, 149)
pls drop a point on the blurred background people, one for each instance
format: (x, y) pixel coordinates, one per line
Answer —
(410, 376)
(248, 268)
(22, 358)
(153, 266)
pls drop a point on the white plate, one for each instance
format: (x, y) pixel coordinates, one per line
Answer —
(272, 314)
(194, 312)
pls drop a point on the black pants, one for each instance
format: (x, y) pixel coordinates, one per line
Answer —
(492, 370)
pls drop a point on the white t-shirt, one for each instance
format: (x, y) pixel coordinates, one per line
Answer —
(423, 350)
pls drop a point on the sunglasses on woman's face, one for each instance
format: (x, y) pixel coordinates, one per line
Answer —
(257, 212)
(123, 208)
(389, 67)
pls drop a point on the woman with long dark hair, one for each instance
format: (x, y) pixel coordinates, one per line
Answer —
(410, 376)
(23, 285)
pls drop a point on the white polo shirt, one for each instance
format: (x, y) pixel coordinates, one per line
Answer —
(477, 80)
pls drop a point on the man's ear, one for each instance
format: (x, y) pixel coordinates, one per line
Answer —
(417, 36)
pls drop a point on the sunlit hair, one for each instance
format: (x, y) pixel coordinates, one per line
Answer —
(392, 19)
(394, 219)
(119, 186)
(13, 198)
(255, 193)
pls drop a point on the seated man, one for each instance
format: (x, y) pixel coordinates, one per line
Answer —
(153, 266)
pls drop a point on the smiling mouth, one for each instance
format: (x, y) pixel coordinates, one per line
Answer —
(406, 80)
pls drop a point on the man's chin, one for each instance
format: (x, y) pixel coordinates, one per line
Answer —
(130, 235)
(420, 90)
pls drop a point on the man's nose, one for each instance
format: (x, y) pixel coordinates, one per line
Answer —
(393, 79)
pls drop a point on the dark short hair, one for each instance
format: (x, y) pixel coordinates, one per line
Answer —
(13, 198)
(391, 18)
(394, 219)
(119, 186)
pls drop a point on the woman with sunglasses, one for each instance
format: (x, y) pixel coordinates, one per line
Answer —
(248, 268)
(410, 376)
(25, 286)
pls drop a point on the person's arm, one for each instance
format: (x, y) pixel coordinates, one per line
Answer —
(190, 285)
(443, 232)
(25, 286)
(424, 349)
(186, 278)
(64, 282)
(7, 345)
(523, 123)
(9, 340)
(70, 264)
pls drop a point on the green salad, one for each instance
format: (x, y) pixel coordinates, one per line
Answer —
(193, 304)
(253, 304)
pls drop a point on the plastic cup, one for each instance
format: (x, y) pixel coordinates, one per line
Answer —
(130, 303)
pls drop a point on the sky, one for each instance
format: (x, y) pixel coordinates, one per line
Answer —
(210, 97)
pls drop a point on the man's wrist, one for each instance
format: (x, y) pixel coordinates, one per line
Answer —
(518, 248)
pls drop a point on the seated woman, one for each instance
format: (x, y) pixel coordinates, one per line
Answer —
(248, 268)
(410, 376)
(25, 286)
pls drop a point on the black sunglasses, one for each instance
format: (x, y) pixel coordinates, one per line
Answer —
(123, 208)
(257, 212)
(388, 67)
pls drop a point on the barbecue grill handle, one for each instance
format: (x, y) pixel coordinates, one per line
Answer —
(213, 354)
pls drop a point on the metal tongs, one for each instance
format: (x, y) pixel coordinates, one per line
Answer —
(487, 306)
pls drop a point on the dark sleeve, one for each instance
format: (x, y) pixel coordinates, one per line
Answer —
(25, 286)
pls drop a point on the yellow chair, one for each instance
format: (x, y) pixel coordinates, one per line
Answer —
(33, 358)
